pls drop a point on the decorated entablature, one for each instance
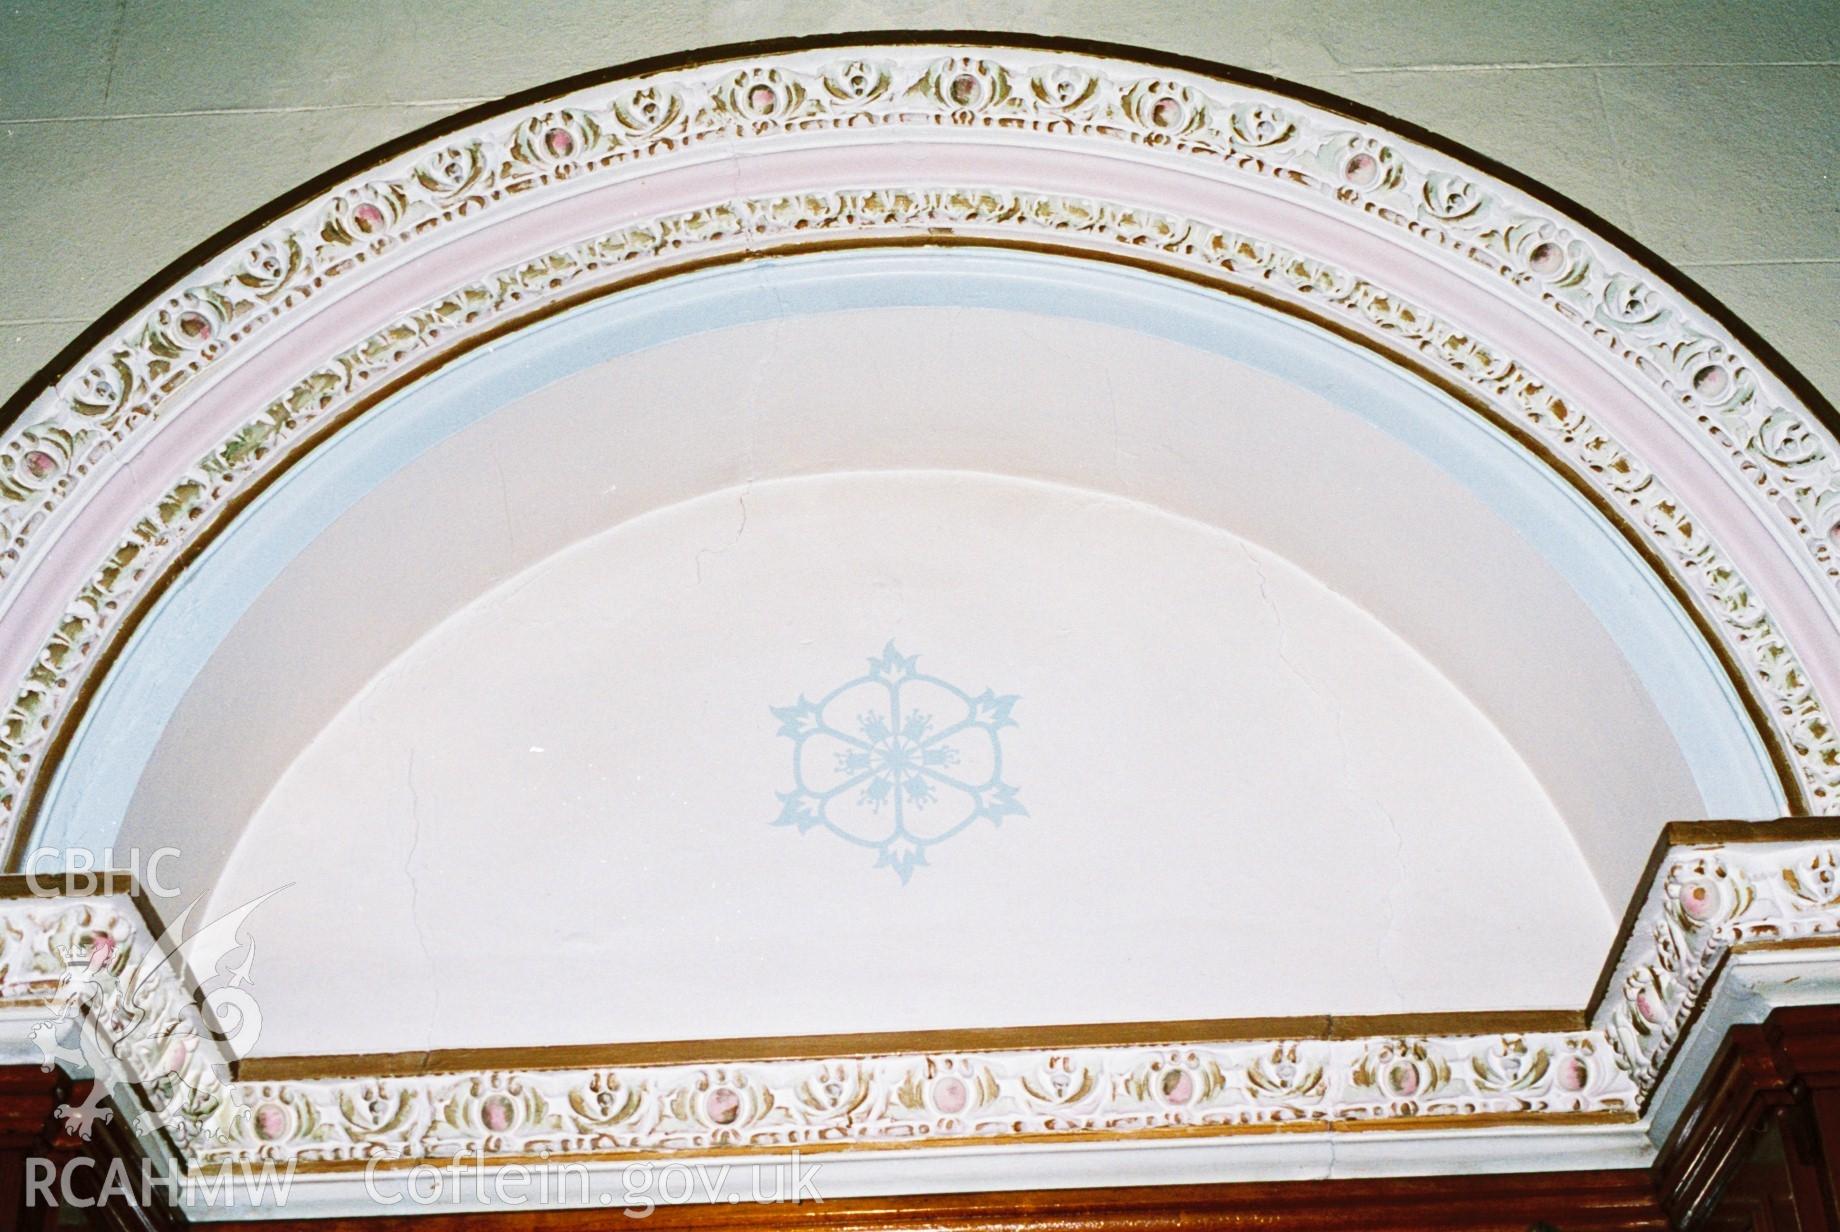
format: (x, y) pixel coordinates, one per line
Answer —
(1733, 912)
(1319, 552)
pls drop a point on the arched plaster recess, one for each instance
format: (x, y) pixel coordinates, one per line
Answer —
(1636, 320)
(1765, 475)
(1271, 806)
(1196, 432)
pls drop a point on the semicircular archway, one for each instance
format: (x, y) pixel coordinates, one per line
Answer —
(1281, 497)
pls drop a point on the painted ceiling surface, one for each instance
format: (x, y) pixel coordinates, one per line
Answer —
(1061, 583)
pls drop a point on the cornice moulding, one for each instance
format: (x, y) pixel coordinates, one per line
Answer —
(1715, 465)
(1719, 466)
(1179, 1110)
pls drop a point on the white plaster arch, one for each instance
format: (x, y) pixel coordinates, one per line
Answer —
(1558, 341)
(1726, 473)
(1664, 734)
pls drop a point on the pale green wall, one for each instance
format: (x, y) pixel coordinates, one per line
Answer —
(130, 129)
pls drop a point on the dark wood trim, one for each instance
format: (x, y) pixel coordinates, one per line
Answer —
(1780, 1076)
(1570, 1202)
(30, 1130)
(1720, 833)
(27, 1096)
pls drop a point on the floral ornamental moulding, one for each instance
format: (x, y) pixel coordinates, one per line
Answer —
(1529, 309)
(1717, 890)
(1712, 460)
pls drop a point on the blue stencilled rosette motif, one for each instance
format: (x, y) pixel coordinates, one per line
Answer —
(896, 761)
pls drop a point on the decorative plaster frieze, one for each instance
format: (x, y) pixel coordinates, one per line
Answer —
(1524, 398)
(115, 1007)
(919, 1100)
(155, 1051)
(1706, 900)
(1170, 116)
(148, 1042)
(1781, 463)
(1173, 117)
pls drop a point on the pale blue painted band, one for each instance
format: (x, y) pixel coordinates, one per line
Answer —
(94, 785)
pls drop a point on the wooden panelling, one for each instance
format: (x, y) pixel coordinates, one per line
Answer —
(1570, 1202)
(1759, 1147)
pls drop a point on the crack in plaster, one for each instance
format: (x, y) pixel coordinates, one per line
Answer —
(1484, 66)
(1603, 112)
(190, 113)
(504, 501)
(108, 74)
(1338, 726)
(739, 531)
(1111, 403)
(1744, 263)
(415, 899)
(757, 378)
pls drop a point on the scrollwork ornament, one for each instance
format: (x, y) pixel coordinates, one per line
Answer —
(834, 1091)
(1814, 884)
(1362, 164)
(102, 391)
(1630, 302)
(494, 1108)
(188, 323)
(378, 1110)
(271, 267)
(850, 85)
(1710, 377)
(1288, 1075)
(967, 86)
(1448, 196)
(1262, 124)
(943, 1094)
(857, 84)
(1791, 444)
(765, 96)
(1511, 1066)
(98, 954)
(1404, 1072)
(1651, 994)
(1166, 109)
(1581, 1071)
(1730, 599)
(1705, 893)
(363, 214)
(722, 1102)
(453, 173)
(1548, 252)
(272, 1116)
(557, 140)
(36, 460)
(1060, 1083)
(1181, 1079)
(606, 1102)
(1067, 90)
